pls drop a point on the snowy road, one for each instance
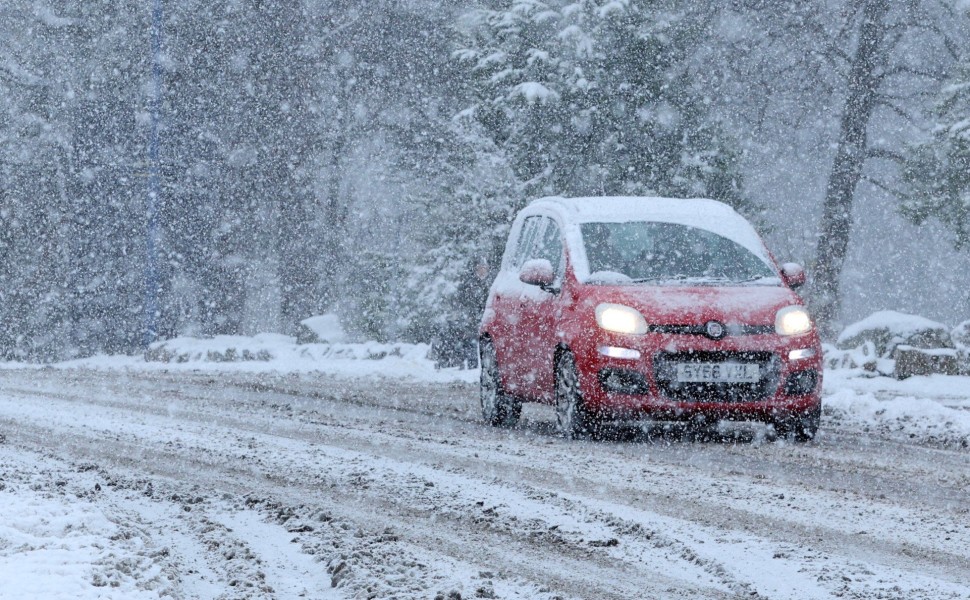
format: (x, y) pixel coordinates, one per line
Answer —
(244, 485)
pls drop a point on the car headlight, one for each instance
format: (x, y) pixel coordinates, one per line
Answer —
(620, 319)
(793, 320)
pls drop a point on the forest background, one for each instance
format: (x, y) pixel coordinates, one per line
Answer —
(208, 167)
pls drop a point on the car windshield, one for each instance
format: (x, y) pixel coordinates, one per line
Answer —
(668, 252)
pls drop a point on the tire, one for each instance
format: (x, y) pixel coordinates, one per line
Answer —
(498, 408)
(573, 419)
(803, 427)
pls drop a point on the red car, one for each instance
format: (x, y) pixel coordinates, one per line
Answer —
(619, 309)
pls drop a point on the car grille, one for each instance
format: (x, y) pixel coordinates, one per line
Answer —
(731, 330)
(665, 373)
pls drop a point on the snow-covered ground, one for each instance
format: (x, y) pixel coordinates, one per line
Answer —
(362, 471)
(933, 409)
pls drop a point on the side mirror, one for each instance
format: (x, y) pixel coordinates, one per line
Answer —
(793, 274)
(538, 271)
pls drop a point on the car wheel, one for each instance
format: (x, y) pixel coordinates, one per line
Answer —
(573, 419)
(803, 427)
(498, 409)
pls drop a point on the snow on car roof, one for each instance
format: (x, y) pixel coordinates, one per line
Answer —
(698, 212)
(702, 213)
(617, 209)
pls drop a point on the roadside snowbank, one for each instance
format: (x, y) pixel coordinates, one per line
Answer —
(933, 408)
(274, 353)
(268, 347)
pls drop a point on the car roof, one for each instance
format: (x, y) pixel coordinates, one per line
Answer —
(613, 209)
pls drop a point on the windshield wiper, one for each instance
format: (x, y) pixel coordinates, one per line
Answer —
(660, 278)
(700, 279)
(755, 278)
(679, 278)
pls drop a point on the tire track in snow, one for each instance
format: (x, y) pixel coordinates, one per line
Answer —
(415, 439)
(592, 573)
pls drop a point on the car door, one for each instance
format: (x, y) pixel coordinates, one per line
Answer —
(508, 333)
(539, 312)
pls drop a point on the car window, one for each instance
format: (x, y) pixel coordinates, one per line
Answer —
(550, 246)
(649, 251)
(526, 242)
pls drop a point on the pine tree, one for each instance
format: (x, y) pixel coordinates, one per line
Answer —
(108, 192)
(938, 171)
(592, 98)
(73, 249)
(462, 220)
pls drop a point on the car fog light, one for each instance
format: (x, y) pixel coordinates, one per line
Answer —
(615, 352)
(800, 354)
(801, 383)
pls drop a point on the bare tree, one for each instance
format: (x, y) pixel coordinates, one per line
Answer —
(902, 53)
(875, 63)
(866, 70)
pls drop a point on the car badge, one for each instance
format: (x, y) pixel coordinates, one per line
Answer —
(714, 330)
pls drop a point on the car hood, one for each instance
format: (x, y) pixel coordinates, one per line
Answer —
(674, 305)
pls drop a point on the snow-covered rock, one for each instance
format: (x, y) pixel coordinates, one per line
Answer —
(321, 329)
(912, 361)
(888, 329)
(961, 336)
(863, 357)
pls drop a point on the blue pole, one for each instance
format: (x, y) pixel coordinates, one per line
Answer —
(151, 258)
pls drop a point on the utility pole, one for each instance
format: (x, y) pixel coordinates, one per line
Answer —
(151, 233)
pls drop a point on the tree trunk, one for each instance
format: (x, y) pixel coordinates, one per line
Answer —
(287, 79)
(335, 219)
(847, 167)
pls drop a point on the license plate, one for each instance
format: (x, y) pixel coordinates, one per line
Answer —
(718, 372)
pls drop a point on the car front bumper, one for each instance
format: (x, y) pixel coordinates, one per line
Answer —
(628, 377)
